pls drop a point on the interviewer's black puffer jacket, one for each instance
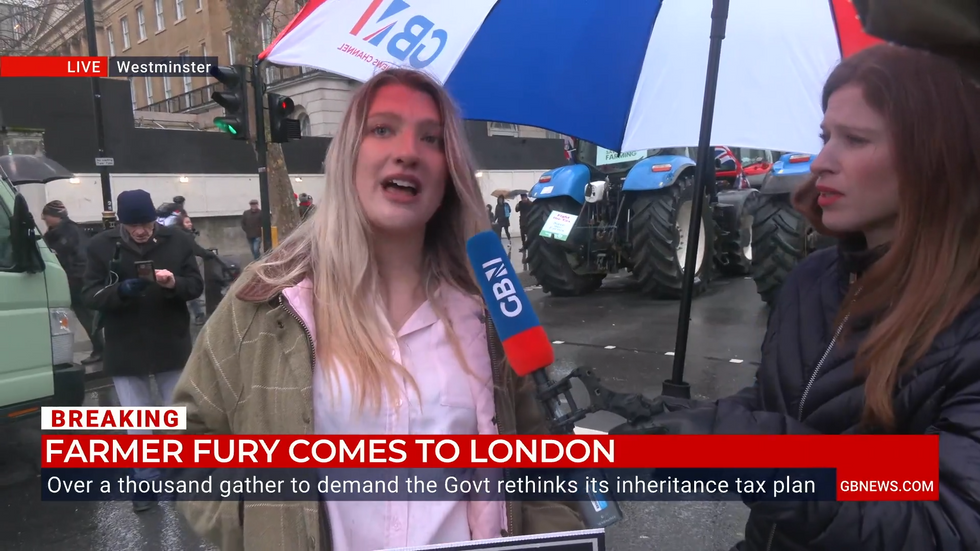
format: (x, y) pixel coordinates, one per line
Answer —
(939, 395)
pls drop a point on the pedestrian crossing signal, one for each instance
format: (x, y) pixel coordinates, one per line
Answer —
(282, 129)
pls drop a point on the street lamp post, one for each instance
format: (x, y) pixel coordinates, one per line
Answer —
(108, 216)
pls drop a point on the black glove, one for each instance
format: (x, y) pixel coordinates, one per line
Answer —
(682, 420)
(131, 288)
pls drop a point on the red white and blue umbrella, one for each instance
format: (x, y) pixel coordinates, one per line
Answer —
(626, 75)
(623, 74)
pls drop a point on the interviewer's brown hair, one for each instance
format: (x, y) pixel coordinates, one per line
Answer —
(932, 268)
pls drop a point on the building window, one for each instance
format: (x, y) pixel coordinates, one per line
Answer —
(124, 23)
(231, 49)
(141, 23)
(266, 32)
(199, 5)
(149, 90)
(188, 83)
(132, 92)
(167, 91)
(158, 6)
(502, 129)
(112, 41)
(180, 9)
(306, 129)
(204, 50)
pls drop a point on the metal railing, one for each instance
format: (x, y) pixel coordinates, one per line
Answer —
(183, 102)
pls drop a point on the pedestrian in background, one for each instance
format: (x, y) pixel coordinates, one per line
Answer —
(147, 327)
(69, 241)
(305, 205)
(197, 306)
(168, 214)
(502, 214)
(252, 226)
(523, 213)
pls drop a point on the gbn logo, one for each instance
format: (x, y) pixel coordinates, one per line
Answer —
(504, 290)
(407, 43)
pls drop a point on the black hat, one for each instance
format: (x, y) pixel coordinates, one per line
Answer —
(135, 207)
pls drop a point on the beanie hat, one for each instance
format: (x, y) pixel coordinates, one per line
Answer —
(135, 207)
(55, 208)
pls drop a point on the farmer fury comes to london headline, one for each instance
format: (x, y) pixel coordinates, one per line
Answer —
(285, 451)
(77, 66)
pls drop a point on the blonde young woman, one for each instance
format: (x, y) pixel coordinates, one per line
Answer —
(367, 320)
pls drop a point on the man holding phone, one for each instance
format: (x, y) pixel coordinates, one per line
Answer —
(139, 277)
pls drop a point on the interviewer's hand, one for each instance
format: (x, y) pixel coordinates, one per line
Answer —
(692, 420)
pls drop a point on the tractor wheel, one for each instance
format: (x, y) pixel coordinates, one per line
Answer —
(659, 237)
(779, 243)
(734, 218)
(550, 264)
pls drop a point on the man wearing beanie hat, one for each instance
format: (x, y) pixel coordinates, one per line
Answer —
(147, 326)
(68, 241)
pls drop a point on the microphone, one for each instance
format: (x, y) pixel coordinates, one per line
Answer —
(526, 345)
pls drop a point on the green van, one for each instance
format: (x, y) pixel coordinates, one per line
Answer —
(36, 340)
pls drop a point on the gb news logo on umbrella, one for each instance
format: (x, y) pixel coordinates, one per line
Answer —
(356, 38)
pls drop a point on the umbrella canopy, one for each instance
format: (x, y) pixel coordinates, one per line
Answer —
(622, 74)
(508, 193)
(32, 169)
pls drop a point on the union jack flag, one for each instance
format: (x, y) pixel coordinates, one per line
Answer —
(569, 147)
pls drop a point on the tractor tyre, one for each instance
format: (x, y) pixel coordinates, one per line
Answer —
(550, 264)
(734, 221)
(658, 235)
(780, 236)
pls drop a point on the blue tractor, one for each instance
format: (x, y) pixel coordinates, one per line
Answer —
(781, 236)
(608, 211)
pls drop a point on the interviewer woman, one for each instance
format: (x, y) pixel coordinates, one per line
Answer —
(882, 334)
(367, 320)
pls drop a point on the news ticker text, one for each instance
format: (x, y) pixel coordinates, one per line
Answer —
(461, 484)
(71, 66)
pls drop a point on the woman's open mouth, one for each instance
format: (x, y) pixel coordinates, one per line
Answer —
(401, 186)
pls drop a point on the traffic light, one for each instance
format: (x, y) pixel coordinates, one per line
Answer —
(234, 98)
(281, 127)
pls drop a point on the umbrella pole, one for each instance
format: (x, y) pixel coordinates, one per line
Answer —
(703, 180)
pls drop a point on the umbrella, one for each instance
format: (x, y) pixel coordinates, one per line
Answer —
(32, 169)
(508, 193)
(622, 74)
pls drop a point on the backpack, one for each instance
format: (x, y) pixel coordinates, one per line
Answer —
(506, 210)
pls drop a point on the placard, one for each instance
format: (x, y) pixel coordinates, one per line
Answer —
(605, 156)
(558, 225)
(579, 540)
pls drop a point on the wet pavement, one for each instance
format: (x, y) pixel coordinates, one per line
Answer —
(627, 340)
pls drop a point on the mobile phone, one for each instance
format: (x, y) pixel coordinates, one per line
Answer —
(144, 270)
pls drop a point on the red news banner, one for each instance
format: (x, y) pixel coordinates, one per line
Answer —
(869, 468)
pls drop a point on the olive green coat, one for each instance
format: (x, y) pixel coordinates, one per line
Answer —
(251, 372)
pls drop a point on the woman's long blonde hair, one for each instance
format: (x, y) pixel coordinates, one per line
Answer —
(333, 248)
